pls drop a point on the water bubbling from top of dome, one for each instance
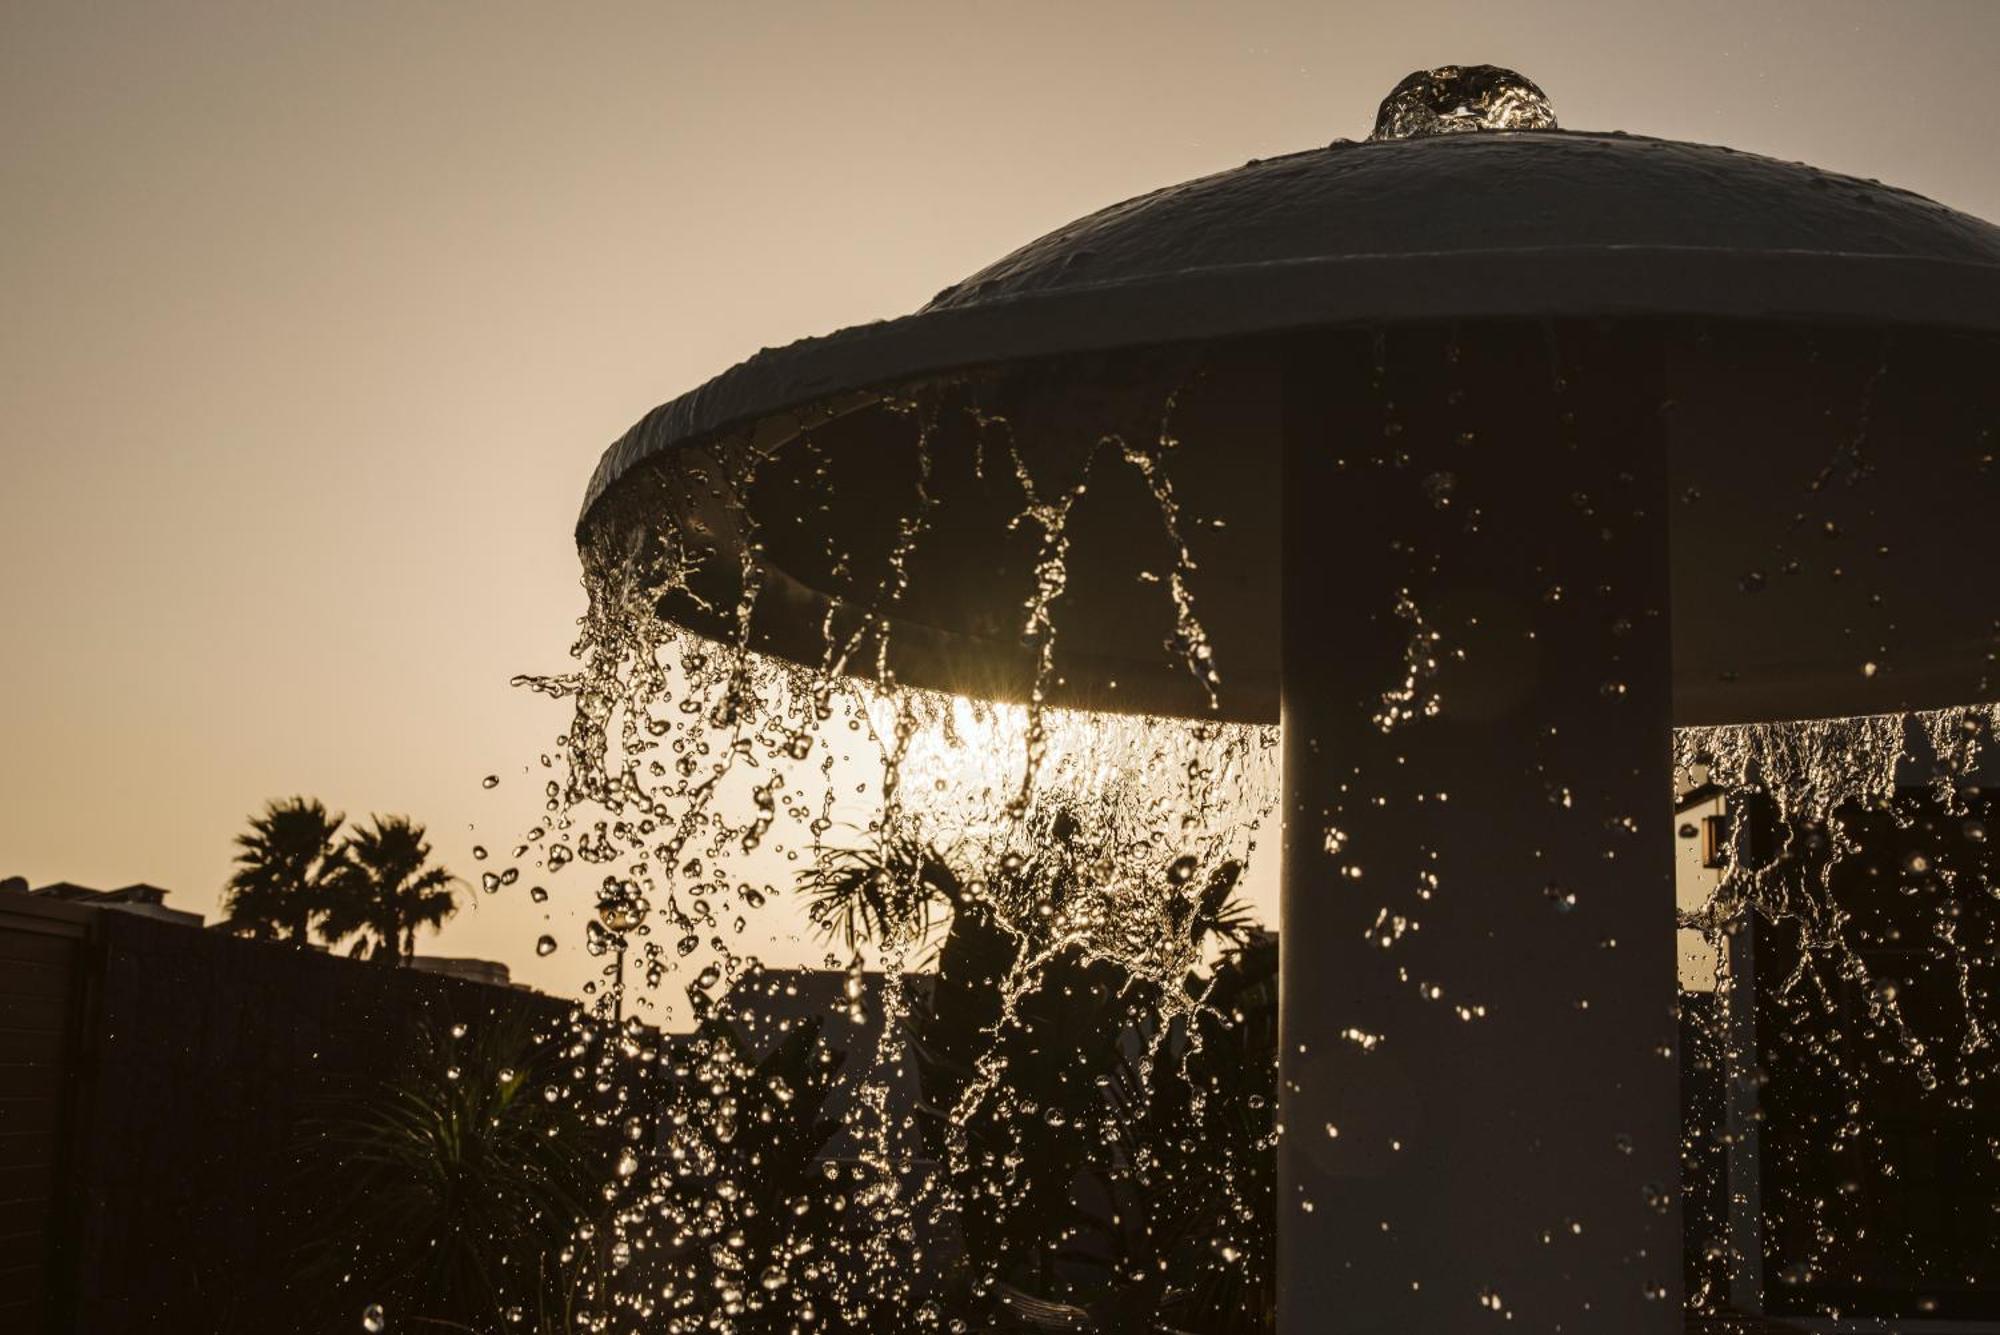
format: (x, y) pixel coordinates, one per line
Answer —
(1453, 99)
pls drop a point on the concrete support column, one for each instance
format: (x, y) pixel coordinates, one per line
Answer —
(1480, 1089)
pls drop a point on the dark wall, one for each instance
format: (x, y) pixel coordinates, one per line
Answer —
(206, 1060)
(42, 971)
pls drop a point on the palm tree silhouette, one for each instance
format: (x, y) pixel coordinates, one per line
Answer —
(387, 889)
(285, 867)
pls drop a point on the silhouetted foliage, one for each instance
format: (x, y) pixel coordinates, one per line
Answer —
(885, 895)
(1105, 1148)
(286, 866)
(1874, 956)
(1195, 1176)
(386, 888)
(452, 1198)
(764, 1228)
(1112, 1159)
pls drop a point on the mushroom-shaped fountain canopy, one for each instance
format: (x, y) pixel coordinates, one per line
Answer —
(1466, 206)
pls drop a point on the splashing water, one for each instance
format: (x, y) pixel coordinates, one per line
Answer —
(1850, 928)
(1033, 909)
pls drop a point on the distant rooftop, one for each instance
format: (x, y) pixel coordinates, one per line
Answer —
(137, 893)
(491, 972)
(139, 897)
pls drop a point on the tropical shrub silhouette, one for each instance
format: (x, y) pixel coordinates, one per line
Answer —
(747, 1225)
(1194, 1176)
(459, 1197)
(1110, 1156)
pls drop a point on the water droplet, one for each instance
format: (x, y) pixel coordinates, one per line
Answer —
(372, 1319)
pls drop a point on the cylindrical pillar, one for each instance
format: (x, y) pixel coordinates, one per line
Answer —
(1479, 1082)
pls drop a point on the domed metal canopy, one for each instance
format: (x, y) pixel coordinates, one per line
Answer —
(1440, 229)
(1497, 224)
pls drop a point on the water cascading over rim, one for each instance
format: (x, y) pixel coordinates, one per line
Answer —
(1486, 452)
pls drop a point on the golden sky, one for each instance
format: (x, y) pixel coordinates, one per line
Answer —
(317, 316)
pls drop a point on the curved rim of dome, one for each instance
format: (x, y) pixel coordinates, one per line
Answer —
(1269, 298)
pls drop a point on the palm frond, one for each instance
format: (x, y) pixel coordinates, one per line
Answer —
(386, 888)
(887, 894)
(284, 865)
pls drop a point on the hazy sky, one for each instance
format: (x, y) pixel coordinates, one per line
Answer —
(316, 317)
